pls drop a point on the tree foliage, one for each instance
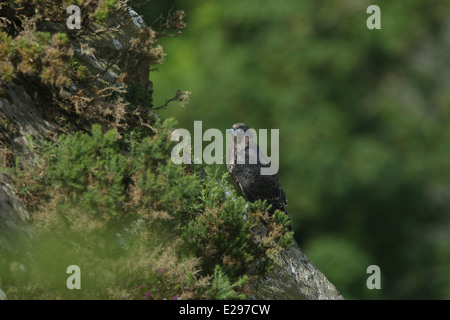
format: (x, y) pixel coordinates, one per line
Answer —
(363, 118)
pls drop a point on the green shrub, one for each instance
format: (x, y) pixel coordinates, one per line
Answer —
(221, 288)
(89, 168)
(143, 227)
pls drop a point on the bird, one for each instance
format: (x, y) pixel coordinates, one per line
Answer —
(246, 172)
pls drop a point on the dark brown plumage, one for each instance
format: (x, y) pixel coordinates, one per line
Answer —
(248, 177)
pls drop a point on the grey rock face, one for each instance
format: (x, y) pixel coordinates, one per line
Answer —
(296, 277)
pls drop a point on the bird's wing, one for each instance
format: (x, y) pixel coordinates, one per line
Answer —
(256, 186)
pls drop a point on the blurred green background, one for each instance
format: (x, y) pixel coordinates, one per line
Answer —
(364, 119)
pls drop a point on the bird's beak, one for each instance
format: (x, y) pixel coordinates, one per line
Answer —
(232, 130)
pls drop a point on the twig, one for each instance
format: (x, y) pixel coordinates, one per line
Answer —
(166, 103)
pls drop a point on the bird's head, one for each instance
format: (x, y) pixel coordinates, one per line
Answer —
(241, 133)
(239, 128)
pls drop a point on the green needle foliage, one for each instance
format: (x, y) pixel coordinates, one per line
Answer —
(138, 226)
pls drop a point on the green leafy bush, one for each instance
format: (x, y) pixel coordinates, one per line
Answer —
(140, 226)
(90, 168)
